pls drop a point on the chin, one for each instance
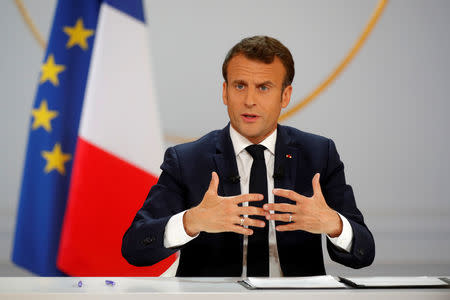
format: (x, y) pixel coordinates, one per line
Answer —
(252, 135)
(249, 131)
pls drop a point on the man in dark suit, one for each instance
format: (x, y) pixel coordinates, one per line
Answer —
(253, 198)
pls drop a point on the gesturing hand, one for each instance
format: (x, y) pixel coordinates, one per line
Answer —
(220, 214)
(311, 214)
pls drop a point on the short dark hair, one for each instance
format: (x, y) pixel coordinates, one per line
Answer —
(264, 49)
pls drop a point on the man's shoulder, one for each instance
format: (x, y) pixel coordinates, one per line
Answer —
(302, 138)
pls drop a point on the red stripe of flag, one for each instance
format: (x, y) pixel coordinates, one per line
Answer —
(105, 194)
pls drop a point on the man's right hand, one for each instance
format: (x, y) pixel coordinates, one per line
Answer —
(222, 214)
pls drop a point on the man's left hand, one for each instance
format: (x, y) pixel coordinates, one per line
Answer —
(310, 214)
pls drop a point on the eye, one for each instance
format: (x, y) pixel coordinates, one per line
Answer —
(263, 88)
(239, 86)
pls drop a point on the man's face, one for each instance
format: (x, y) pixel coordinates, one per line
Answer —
(254, 96)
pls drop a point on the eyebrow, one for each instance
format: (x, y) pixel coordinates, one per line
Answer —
(239, 81)
(267, 82)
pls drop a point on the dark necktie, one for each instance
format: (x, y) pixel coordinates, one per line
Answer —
(258, 243)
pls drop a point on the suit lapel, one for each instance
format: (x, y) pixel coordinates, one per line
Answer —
(226, 165)
(286, 163)
(285, 173)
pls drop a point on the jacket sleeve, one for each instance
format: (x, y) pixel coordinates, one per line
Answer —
(143, 242)
(339, 197)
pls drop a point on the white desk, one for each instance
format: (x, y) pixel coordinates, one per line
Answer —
(152, 288)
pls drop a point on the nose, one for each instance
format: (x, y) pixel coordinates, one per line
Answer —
(250, 98)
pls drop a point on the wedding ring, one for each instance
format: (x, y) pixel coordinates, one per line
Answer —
(242, 221)
(290, 218)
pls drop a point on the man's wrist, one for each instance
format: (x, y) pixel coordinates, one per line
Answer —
(336, 228)
(189, 222)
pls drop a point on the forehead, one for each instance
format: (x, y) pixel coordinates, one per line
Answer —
(242, 68)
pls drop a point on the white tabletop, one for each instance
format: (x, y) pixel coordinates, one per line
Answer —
(63, 288)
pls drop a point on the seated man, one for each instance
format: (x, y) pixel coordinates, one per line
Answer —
(253, 198)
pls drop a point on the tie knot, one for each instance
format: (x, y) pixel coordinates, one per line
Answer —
(256, 151)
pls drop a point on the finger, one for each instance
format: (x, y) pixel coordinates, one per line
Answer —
(288, 194)
(287, 227)
(251, 222)
(281, 217)
(248, 198)
(316, 185)
(282, 207)
(251, 211)
(214, 183)
(241, 230)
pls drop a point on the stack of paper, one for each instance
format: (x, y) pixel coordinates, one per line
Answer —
(394, 282)
(312, 282)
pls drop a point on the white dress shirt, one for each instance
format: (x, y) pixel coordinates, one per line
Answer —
(175, 235)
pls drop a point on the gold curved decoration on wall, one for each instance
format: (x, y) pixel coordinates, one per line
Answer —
(176, 139)
(27, 19)
(297, 107)
(344, 63)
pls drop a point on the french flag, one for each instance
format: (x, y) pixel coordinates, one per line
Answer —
(116, 153)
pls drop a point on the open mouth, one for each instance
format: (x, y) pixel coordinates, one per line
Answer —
(250, 117)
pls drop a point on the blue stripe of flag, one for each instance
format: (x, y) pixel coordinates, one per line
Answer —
(133, 8)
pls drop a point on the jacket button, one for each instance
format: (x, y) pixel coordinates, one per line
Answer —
(148, 241)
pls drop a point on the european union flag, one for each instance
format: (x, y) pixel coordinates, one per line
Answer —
(53, 134)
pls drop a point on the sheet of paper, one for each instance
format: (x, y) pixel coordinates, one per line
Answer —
(312, 282)
(385, 281)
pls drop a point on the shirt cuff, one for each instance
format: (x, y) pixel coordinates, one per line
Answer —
(345, 240)
(174, 234)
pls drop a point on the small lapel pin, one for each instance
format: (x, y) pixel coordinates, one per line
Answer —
(288, 156)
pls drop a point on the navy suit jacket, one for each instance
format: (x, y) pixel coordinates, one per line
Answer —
(185, 177)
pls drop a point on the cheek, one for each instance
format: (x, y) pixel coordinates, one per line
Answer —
(273, 106)
(234, 96)
(232, 110)
(234, 100)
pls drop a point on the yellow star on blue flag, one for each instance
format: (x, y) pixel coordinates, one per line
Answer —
(78, 35)
(50, 71)
(43, 116)
(56, 159)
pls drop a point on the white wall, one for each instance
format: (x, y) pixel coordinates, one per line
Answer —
(387, 112)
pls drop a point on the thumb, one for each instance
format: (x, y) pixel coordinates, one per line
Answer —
(214, 184)
(316, 185)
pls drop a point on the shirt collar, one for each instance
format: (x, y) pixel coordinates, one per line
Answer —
(240, 142)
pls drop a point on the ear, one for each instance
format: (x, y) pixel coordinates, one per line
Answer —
(224, 93)
(286, 96)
